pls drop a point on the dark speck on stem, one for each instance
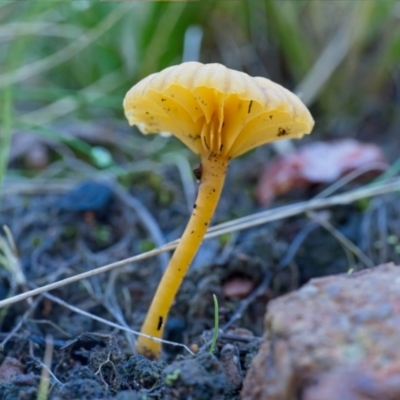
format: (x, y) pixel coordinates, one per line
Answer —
(249, 109)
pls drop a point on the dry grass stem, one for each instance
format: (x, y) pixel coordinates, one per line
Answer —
(12, 30)
(345, 242)
(109, 323)
(43, 390)
(251, 221)
(333, 54)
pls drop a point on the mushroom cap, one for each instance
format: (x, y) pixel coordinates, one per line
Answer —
(213, 109)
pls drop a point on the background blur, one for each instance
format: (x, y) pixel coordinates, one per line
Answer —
(65, 68)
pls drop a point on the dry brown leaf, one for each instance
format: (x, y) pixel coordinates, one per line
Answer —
(318, 162)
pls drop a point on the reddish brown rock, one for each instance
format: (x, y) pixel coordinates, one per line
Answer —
(335, 338)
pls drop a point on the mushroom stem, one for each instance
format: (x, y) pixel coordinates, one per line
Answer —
(214, 168)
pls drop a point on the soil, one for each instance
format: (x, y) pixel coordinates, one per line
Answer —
(63, 232)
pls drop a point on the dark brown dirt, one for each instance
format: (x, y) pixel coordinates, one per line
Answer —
(58, 235)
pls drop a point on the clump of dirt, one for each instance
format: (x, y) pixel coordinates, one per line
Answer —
(198, 377)
(83, 383)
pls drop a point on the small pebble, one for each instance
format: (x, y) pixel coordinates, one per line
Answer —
(237, 288)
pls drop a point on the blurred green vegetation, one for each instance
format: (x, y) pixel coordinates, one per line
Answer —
(74, 61)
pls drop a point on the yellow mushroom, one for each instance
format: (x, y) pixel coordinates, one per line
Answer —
(219, 114)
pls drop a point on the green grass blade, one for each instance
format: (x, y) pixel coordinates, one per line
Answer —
(216, 325)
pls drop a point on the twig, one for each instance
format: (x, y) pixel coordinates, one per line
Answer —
(102, 364)
(109, 323)
(263, 217)
(52, 324)
(113, 307)
(244, 304)
(351, 176)
(296, 243)
(37, 187)
(239, 338)
(227, 227)
(188, 184)
(146, 218)
(341, 238)
(248, 300)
